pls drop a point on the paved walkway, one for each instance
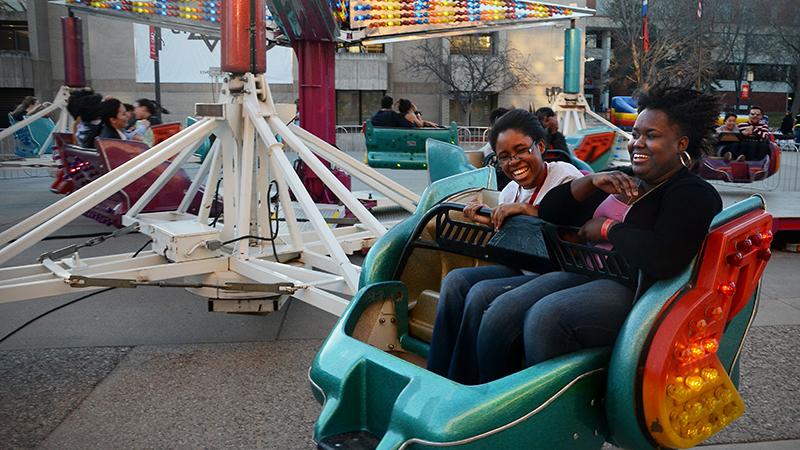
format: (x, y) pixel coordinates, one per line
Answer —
(146, 368)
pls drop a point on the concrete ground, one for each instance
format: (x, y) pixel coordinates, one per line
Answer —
(150, 368)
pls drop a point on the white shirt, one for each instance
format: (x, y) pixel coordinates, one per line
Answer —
(557, 173)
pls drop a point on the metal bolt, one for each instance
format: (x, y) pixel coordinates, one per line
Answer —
(576, 436)
(391, 346)
(393, 320)
(382, 320)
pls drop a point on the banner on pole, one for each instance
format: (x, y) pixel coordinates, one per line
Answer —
(153, 44)
(186, 57)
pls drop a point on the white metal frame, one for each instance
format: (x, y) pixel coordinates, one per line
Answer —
(245, 153)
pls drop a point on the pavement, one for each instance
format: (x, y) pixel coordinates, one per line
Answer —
(150, 368)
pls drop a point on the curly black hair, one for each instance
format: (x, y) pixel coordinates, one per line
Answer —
(517, 119)
(694, 112)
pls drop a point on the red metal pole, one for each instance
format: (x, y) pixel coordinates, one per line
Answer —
(242, 50)
(316, 69)
(72, 36)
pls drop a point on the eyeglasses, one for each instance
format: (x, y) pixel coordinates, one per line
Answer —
(518, 155)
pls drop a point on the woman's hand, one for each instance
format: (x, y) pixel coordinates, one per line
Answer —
(590, 231)
(471, 213)
(747, 131)
(616, 183)
(504, 211)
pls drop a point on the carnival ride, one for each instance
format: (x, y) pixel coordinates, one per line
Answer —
(403, 148)
(670, 380)
(760, 160)
(686, 333)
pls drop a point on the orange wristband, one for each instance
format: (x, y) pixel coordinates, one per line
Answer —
(605, 227)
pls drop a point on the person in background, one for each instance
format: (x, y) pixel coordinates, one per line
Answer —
(150, 111)
(114, 118)
(131, 115)
(409, 112)
(728, 124)
(27, 107)
(787, 124)
(549, 119)
(755, 127)
(388, 117)
(84, 106)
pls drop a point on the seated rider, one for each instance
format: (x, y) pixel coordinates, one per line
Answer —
(408, 112)
(729, 126)
(549, 119)
(387, 117)
(758, 145)
(755, 127)
(518, 139)
(656, 219)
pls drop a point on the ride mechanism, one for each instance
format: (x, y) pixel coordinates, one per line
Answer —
(237, 262)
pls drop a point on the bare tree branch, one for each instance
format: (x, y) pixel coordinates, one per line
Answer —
(472, 74)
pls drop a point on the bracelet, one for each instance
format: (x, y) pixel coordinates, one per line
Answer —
(605, 227)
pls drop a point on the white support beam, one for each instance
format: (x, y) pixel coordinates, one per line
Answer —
(165, 176)
(326, 176)
(157, 153)
(311, 211)
(389, 188)
(312, 295)
(201, 176)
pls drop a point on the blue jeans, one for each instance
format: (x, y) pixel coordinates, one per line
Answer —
(499, 346)
(464, 296)
(585, 316)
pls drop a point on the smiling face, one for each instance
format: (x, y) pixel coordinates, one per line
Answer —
(121, 119)
(755, 116)
(730, 122)
(656, 145)
(516, 160)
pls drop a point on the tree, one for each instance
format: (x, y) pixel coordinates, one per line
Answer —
(680, 48)
(467, 69)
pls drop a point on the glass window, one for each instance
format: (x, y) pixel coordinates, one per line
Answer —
(472, 44)
(354, 107)
(480, 112)
(371, 48)
(14, 35)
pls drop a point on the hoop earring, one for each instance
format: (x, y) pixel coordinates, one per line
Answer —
(686, 158)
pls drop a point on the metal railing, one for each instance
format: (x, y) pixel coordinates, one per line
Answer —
(473, 134)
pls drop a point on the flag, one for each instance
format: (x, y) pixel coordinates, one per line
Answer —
(645, 34)
(699, 8)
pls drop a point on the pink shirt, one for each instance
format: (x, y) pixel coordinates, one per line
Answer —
(611, 208)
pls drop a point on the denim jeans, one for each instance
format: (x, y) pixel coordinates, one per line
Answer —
(585, 316)
(464, 296)
(499, 346)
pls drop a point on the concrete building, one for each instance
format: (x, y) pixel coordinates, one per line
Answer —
(31, 63)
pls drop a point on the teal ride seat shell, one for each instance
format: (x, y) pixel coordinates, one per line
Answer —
(578, 400)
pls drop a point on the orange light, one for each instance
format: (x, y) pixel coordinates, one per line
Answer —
(723, 394)
(697, 350)
(709, 374)
(711, 345)
(727, 289)
(694, 383)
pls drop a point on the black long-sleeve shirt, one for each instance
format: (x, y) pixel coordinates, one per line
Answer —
(661, 233)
